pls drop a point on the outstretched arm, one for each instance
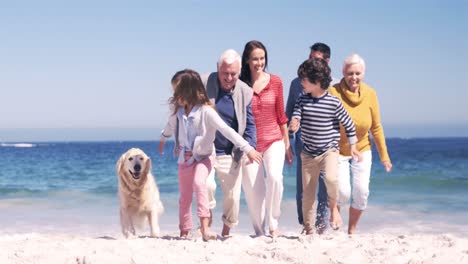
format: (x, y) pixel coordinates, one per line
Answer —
(215, 121)
(167, 132)
(378, 134)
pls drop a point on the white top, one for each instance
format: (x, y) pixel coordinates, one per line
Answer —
(197, 132)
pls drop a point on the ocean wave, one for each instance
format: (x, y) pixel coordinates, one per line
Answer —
(18, 145)
(109, 189)
(13, 191)
(427, 180)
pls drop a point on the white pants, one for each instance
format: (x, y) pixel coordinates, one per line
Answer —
(354, 177)
(271, 170)
(254, 190)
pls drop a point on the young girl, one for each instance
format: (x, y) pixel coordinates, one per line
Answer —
(198, 122)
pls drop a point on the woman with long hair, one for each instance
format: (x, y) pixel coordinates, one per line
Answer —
(271, 124)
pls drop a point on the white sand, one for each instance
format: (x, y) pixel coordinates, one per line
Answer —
(335, 247)
(93, 236)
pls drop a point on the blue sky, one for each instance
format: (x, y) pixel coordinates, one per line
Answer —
(100, 70)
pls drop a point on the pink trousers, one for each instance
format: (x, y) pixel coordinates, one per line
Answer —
(192, 179)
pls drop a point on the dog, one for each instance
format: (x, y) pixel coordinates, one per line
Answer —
(138, 193)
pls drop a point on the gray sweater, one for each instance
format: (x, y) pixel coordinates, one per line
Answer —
(241, 95)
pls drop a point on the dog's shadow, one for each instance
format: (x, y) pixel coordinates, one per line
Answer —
(290, 237)
(273, 239)
(106, 238)
(220, 238)
(166, 237)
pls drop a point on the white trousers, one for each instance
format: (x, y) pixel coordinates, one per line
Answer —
(353, 180)
(271, 170)
(254, 190)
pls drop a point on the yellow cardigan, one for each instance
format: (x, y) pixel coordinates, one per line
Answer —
(363, 107)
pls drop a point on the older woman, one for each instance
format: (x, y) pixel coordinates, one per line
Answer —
(361, 102)
(271, 124)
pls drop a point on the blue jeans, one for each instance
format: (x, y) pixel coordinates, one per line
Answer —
(322, 197)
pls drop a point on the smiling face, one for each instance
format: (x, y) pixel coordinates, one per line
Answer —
(353, 75)
(228, 74)
(134, 163)
(310, 88)
(256, 60)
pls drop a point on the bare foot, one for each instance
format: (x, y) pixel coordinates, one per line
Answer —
(225, 232)
(321, 229)
(184, 234)
(274, 233)
(335, 219)
(207, 236)
(211, 218)
(336, 225)
(307, 232)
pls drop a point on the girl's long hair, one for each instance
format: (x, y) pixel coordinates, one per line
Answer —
(189, 88)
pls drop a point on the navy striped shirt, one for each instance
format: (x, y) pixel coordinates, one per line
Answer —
(320, 119)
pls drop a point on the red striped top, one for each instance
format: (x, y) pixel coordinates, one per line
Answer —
(268, 111)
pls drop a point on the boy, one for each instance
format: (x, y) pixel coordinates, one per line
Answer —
(319, 115)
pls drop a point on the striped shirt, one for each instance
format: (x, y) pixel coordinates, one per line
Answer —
(269, 115)
(320, 119)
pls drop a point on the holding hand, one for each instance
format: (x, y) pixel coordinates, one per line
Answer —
(188, 155)
(387, 165)
(294, 125)
(289, 155)
(176, 151)
(356, 154)
(162, 141)
(254, 155)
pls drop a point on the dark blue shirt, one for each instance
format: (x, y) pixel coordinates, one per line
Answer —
(225, 109)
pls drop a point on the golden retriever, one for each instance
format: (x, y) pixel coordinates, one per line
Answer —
(138, 193)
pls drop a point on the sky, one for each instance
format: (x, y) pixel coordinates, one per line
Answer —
(101, 70)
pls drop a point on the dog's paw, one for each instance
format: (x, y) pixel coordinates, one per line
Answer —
(155, 232)
(129, 235)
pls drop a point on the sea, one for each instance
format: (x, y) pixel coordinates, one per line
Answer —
(71, 187)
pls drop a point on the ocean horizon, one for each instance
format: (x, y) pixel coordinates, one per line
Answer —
(106, 134)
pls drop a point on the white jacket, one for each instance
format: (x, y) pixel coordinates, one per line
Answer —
(206, 122)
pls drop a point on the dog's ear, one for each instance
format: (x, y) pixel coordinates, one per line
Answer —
(120, 163)
(147, 166)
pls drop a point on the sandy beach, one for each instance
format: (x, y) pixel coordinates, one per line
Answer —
(288, 248)
(93, 236)
(65, 210)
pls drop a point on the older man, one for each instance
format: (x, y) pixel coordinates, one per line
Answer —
(322, 51)
(232, 98)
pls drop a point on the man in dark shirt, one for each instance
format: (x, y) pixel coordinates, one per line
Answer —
(232, 98)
